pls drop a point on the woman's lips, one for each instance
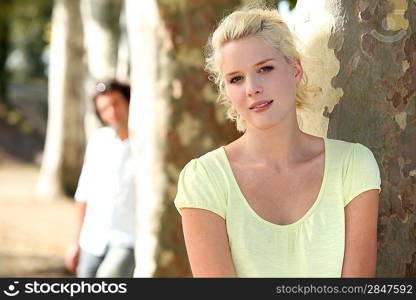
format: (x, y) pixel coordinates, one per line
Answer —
(262, 107)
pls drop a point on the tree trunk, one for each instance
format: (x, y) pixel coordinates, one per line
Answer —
(147, 122)
(100, 20)
(175, 119)
(364, 68)
(123, 54)
(64, 137)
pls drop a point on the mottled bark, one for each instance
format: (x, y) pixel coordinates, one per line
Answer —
(197, 123)
(370, 98)
(64, 137)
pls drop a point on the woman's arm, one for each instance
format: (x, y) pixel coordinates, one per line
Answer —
(360, 254)
(207, 243)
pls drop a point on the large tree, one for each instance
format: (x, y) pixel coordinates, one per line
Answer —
(361, 60)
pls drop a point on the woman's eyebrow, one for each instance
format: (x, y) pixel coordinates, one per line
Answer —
(259, 63)
(264, 61)
(231, 73)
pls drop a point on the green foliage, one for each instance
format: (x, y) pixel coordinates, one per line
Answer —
(24, 36)
(106, 12)
(292, 4)
(29, 26)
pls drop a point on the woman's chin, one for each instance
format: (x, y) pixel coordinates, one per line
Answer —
(264, 125)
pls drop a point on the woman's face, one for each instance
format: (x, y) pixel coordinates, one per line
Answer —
(259, 82)
(113, 109)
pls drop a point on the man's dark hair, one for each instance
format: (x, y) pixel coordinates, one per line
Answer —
(106, 87)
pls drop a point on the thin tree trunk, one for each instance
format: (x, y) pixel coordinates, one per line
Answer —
(123, 54)
(64, 137)
(100, 20)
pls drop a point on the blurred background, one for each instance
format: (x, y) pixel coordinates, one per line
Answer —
(31, 243)
(360, 59)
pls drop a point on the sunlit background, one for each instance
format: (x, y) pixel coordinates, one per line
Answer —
(361, 67)
(34, 234)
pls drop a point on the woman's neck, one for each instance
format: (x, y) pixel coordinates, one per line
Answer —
(279, 146)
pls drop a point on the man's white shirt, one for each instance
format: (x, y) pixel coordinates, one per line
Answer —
(106, 184)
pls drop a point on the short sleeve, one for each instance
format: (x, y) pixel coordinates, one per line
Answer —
(197, 190)
(361, 173)
(83, 189)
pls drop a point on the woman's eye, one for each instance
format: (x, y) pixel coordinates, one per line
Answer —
(235, 79)
(266, 69)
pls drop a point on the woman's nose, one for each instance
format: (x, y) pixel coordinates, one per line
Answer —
(253, 87)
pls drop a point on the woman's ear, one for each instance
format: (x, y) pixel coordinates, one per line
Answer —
(298, 69)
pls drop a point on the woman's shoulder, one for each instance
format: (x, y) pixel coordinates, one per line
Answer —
(200, 184)
(360, 170)
(344, 149)
(211, 155)
(210, 166)
(207, 160)
(339, 145)
(353, 156)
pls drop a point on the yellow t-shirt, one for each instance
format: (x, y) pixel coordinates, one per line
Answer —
(313, 246)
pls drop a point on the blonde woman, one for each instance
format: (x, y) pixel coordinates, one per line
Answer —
(276, 202)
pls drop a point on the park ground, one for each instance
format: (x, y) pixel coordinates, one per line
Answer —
(34, 235)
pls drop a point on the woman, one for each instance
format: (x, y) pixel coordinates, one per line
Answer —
(276, 202)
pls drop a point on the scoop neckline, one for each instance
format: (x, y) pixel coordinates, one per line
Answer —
(243, 199)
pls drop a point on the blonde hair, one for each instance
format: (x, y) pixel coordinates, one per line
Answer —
(258, 22)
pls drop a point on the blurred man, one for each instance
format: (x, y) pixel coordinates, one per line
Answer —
(105, 195)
